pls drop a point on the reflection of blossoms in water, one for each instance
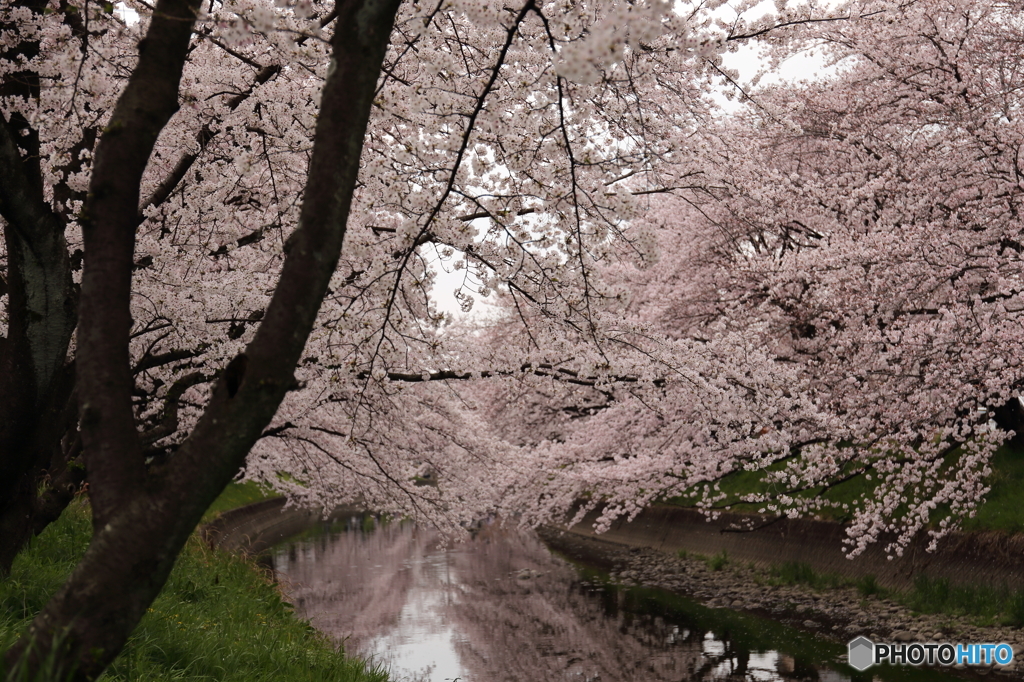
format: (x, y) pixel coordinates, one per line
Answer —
(499, 608)
(549, 627)
(528, 619)
(351, 590)
(384, 593)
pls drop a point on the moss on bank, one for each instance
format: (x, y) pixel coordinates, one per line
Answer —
(220, 617)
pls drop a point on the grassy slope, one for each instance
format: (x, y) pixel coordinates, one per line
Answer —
(982, 604)
(234, 496)
(1001, 510)
(218, 618)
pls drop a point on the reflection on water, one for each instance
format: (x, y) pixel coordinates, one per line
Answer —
(502, 608)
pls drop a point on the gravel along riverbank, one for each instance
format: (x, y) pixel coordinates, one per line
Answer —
(841, 613)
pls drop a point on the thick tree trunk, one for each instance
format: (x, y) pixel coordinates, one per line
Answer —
(41, 313)
(142, 518)
(15, 526)
(38, 483)
(45, 479)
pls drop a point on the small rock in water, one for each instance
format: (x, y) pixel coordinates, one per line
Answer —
(811, 624)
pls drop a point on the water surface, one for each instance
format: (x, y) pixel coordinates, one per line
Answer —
(502, 608)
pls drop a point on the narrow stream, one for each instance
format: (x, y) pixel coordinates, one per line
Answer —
(503, 608)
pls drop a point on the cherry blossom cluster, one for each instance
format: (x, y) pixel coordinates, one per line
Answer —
(856, 242)
(682, 296)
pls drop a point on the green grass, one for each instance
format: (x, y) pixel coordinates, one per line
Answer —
(718, 561)
(741, 483)
(1001, 511)
(237, 495)
(218, 618)
(984, 603)
(800, 573)
(868, 587)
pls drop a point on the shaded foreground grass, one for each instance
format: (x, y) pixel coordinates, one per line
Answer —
(218, 618)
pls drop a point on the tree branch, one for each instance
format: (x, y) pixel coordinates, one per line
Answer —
(203, 139)
(169, 423)
(112, 449)
(149, 361)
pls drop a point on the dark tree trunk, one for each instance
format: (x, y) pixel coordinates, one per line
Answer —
(41, 313)
(52, 473)
(1010, 416)
(142, 518)
(48, 488)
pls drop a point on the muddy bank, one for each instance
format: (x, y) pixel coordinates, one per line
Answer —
(990, 558)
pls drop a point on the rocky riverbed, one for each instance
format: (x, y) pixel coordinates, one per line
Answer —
(839, 613)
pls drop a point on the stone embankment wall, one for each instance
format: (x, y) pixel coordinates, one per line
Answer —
(976, 558)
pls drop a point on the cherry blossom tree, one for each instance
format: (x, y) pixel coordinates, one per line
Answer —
(836, 295)
(894, 262)
(855, 243)
(209, 162)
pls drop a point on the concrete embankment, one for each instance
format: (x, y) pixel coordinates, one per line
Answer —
(976, 558)
(256, 527)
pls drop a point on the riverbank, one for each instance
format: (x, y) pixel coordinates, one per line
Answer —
(824, 605)
(987, 557)
(219, 617)
(839, 612)
(774, 584)
(259, 525)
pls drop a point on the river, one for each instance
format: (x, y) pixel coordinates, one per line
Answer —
(501, 607)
